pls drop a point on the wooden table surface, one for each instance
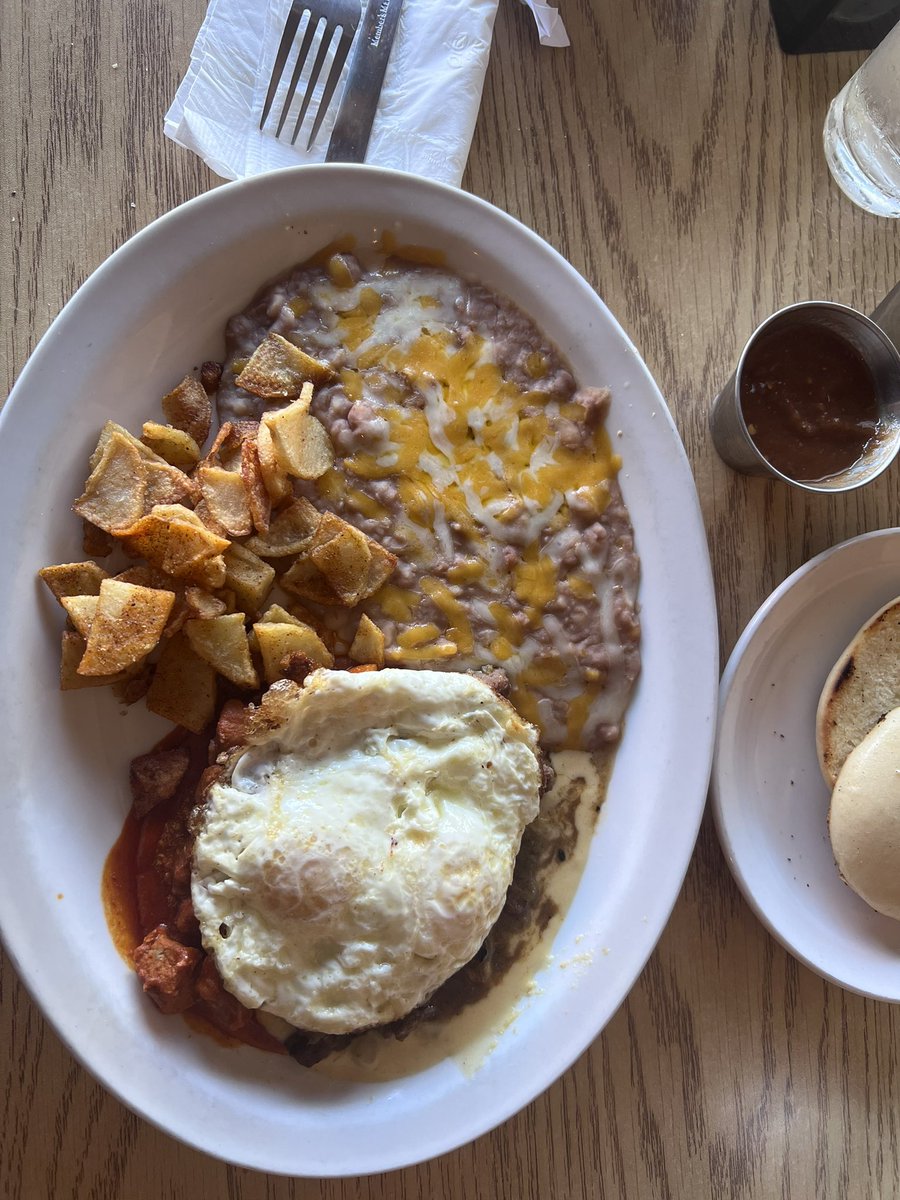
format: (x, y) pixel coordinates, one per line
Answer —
(673, 155)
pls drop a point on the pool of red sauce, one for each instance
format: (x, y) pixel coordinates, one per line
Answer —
(137, 898)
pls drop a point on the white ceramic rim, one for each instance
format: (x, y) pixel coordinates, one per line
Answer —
(681, 637)
(728, 803)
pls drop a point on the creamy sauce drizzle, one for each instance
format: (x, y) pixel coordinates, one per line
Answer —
(471, 1035)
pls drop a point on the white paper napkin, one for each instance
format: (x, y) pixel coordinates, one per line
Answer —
(428, 107)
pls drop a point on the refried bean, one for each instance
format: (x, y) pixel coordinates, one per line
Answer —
(465, 446)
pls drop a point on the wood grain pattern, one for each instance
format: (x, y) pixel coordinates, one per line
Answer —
(673, 155)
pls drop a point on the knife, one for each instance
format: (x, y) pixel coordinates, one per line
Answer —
(365, 76)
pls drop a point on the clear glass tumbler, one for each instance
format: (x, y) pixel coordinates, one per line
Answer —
(862, 131)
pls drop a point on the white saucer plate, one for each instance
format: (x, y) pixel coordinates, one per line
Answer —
(769, 797)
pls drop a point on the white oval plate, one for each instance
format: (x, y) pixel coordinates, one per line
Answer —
(770, 800)
(156, 308)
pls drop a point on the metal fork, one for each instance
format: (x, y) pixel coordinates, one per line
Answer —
(340, 18)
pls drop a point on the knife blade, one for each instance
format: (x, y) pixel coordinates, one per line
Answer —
(365, 77)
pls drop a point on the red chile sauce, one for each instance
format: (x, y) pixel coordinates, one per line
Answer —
(809, 401)
(144, 885)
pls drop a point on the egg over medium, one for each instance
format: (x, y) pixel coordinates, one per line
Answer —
(360, 847)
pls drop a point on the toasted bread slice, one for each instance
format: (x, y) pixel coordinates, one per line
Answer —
(863, 685)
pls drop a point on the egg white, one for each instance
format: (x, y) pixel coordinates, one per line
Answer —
(363, 846)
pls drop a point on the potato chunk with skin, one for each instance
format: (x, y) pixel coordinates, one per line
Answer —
(222, 642)
(161, 482)
(290, 531)
(184, 686)
(174, 445)
(116, 489)
(128, 623)
(175, 540)
(188, 407)
(276, 615)
(73, 645)
(277, 641)
(81, 611)
(341, 552)
(248, 577)
(74, 579)
(257, 493)
(301, 442)
(274, 477)
(226, 498)
(305, 580)
(368, 644)
(277, 370)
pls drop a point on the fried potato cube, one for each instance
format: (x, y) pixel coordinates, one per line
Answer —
(225, 451)
(146, 576)
(276, 615)
(290, 531)
(341, 552)
(191, 604)
(116, 489)
(81, 611)
(128, 623)
(277, 641)
(73, 645)
(381, 568)
(174, 539)
(96, 542)
(201, 509)
(189, 408)
(226, 499)
(305, 580)
(228, 598)
(274, 476)
(277, 370)
(135, 686)
(155, 777)
(301, 442)
(222, 642)
(209, 574)
(248, 577)
(167, 485)
(174, 445)
(202, 604)
(257, 493)
(184, 686)
(74, 579)
(368, 644)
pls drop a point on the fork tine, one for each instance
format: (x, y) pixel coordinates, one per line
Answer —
(308, 35)
(284, 50)
(334, 75)
(324, 47)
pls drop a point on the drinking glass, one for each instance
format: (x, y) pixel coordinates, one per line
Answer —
(862, 131)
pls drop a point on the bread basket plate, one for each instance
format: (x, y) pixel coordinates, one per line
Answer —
(770, 800)
(158, 305)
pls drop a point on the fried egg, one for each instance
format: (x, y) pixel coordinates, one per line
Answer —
(358, 850)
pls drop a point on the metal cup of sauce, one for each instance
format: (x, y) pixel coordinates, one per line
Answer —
(815, 398)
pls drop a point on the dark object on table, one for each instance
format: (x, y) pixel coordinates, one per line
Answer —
(815, 26)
